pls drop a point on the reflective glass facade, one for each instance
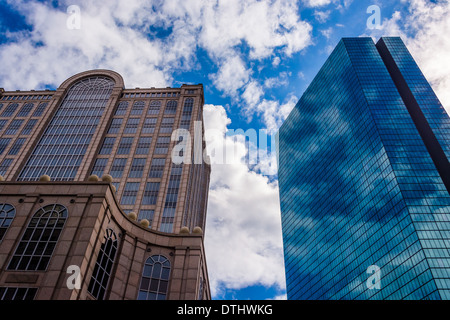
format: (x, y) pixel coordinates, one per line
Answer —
(359, 186)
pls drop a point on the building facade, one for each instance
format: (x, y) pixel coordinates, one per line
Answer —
(364, 180)
(105, 181)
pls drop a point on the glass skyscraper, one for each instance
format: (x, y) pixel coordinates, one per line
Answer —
(364, 180)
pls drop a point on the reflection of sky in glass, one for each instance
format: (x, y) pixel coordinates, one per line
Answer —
(358, 188)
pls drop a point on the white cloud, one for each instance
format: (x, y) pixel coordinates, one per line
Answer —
(430, 44)
(232, 75)
(243, 208)
(317, 3)
(322, 16)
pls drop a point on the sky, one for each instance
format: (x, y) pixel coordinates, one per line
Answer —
(254, 58)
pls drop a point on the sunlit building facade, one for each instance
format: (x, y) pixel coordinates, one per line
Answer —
(364, 180)
(89, 181)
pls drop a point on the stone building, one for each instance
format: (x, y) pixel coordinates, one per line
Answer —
(95, 202)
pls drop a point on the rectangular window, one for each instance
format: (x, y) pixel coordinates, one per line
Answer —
(13, 127)
(162, 145)
(40, 109)
(108, 145)
(16, 293)
(115, 126)
(5, 166)
(9, 110)
(4, 144)
(146, 214)
(132, 125)
(28, 127)
(166, 125)
(122, 108)
(150, 193)
(16, 146)
(138, 107)
(2, 123)
(130, 193)
(99, 166)
(149, 125)
(154, 108)
(117, 167)
(25, 110)
(125, 145)
(143, 146)
(137, 167)
(171, 107)
(157, 168)
(168, 216)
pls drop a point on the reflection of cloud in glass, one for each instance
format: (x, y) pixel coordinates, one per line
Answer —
(357, 186)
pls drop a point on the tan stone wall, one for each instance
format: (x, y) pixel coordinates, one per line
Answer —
(92, 208)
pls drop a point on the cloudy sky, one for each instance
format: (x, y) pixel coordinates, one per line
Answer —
(254, 58)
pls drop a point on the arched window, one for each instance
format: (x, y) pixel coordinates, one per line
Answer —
(155, 278)
(39, 240)
(171, 107)
(63, 146)
(138, 107)
(102, 270)
(7, 213)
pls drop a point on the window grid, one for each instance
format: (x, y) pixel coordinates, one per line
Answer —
(138, 108)
(7, 214)
(129, 193)
(16, 146)
(39, 240)
(154, 108)
(63, 145)
(13, 127)
(117, 167)
(143, 146)
(28, 127)
(5, 166)
(25, 110)
(17, 293)
(99, 166)
(4, 142)
(155, 278)
(108, 145)
(9, 110)
(103, 266)
(162, 145)
(137, 168)
(149, 125)
(146, 214)
(150, 193)
(157, 167)
(170, 204)
(125, 145)
(40, 109)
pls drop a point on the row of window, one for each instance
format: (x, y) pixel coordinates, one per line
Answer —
(39, 241)
(26, 97)
(24, 111)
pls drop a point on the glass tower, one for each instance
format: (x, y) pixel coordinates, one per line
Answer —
(364, 180)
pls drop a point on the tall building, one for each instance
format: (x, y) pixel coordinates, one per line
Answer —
(364, 180)
(105, 183)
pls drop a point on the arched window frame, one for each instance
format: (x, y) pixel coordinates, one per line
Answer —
(155, 278)
(7, 214)
(103, 266)
(38, 242)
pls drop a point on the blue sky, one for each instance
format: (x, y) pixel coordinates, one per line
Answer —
(254, 58)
